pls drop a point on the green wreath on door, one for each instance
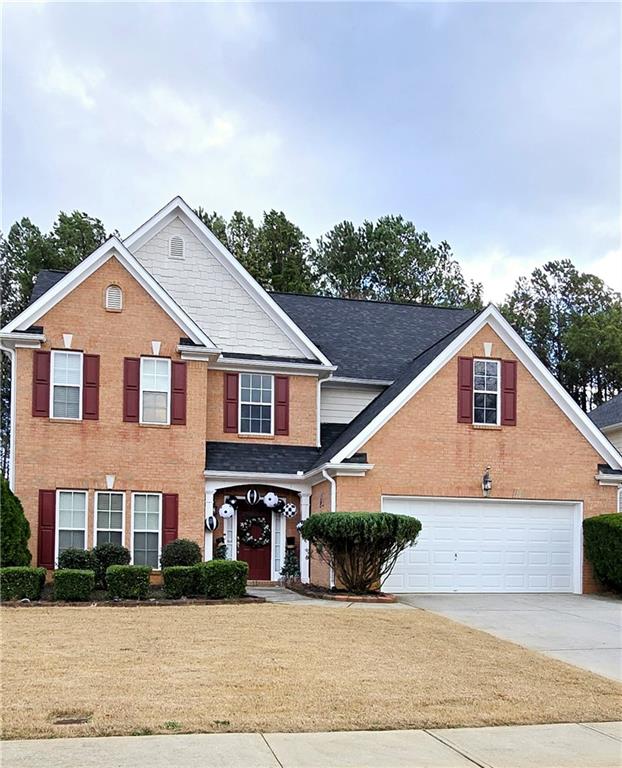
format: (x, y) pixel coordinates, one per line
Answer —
(246, 535)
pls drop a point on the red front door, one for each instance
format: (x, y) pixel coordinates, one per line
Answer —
(258, 558)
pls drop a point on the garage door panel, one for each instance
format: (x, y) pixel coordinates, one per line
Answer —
(486, 546)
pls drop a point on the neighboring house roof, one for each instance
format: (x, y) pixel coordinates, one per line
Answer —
(45, 279)
(372, 340)
(608, 414)
(262, 457)
(112, 248)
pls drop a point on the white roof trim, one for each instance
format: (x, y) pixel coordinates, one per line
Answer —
(543, 376)
(113, 247)
(179, 208)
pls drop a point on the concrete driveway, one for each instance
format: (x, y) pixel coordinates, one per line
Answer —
(584, 630)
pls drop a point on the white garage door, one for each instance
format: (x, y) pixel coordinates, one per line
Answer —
(476, 545)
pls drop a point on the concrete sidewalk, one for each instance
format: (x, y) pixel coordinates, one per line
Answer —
(587, 745)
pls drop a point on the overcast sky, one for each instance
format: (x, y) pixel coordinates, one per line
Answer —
(495, 126)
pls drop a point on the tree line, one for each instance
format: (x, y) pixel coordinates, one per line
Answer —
(572, 320)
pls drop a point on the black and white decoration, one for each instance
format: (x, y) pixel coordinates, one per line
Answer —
(211, 523)
(290, 509)
(252, 496)
(299, 526)
(271, 500)
(226, 510)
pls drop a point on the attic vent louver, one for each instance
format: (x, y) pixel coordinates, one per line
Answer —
(114, 298)
(176, 247)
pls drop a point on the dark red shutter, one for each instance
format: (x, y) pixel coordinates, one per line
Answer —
(508, 392)
(47, 529)
(465, 390)
(170, 517)
(281, 405)
(131, 388)
(41, 383)
(90, 386)
(178, 392)
(230, 405)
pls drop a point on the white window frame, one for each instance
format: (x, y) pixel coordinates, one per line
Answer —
(96, 528)
(168, 393)
(246, 402)
(487, 392)
(144, 530)
(57, 527)
(56, 352)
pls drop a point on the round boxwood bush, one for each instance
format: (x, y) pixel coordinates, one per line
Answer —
(128, 582)
(15, 529)
(222, 579)
(73, 585)
(73, 559)
(18, 582)
(180, 581)
(602, 538)
(180, 552)
(361, 547)
(105, 555)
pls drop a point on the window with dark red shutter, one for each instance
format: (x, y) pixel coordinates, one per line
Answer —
(230, 404)
(178, 392)
(465, 390)
(281, 405)
(90, 387)
(131, 388)
(170, 517)
(47, 528)
(41, 383)
(508, 392)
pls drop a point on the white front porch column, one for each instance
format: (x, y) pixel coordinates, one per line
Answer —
(305, 497)
(209, 510)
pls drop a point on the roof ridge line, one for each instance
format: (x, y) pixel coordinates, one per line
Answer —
(373, 301)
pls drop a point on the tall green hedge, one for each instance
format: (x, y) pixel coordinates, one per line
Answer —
(602, 538)
(361, 547)
(14, 527)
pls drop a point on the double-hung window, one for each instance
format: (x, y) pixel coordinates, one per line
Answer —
(486, 384)
(147, 527)
(109, 508)
(155, 388)
(66, 389)
(256, 404)
(71, 518)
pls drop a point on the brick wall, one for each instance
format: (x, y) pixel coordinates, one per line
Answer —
(422, 450)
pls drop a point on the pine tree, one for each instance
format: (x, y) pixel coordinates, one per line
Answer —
(15, 529)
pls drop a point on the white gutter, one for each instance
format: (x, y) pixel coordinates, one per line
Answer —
(269, 366)
(13, 358)
(333, 508)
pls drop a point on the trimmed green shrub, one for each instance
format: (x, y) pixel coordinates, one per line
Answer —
(361, 547)
(18, 582)
(180, 552)
(602, 538)
(105, 555)
(73, 585)
(180, 581)
(222, 579)
(15, 529)
(73, 559)
(128, 582)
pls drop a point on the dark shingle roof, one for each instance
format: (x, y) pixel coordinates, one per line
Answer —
(608, 413)
(370, 339)
(46, 279)
(413, 369)
(263, 457)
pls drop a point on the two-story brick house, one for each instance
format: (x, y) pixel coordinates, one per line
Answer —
(157, 386)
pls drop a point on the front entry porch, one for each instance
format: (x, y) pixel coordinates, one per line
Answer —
(259, 525)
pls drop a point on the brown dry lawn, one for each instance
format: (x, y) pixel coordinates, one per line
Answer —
(275, 668)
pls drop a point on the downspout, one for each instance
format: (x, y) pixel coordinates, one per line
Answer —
(333, 508)
(13, 358)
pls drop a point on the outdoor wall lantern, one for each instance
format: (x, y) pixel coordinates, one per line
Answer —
(486, 482)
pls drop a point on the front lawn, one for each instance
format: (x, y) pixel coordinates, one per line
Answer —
(275, 668)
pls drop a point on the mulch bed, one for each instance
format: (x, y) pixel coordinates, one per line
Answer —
(323, 593)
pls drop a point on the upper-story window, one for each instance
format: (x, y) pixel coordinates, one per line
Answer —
(176, 247)
(155, 387)
(256, 403)
(486, 382)
(114, 298)
(66, 389)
